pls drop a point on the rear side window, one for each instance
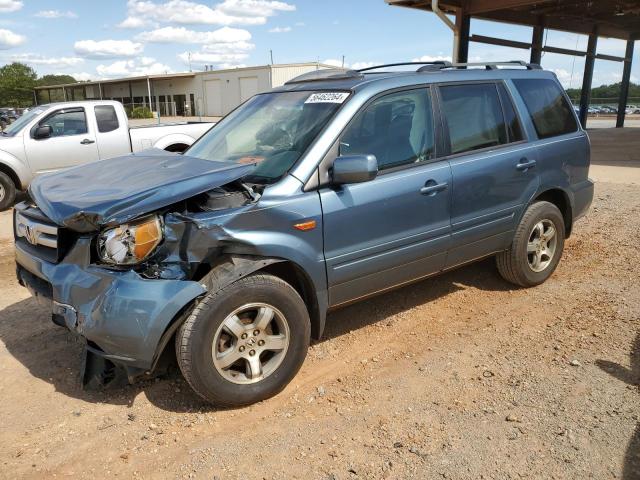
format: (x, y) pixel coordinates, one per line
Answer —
(474, 116)
(106, 118)
(549, 109)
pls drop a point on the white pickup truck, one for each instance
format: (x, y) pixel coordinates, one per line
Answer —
(60, 135)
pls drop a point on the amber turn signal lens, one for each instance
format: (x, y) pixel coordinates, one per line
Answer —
(304, 226)
(148, 236)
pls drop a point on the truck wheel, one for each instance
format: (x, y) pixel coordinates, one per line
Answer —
(3, 125)
(245, 342)
(536, 248)
(7, 191)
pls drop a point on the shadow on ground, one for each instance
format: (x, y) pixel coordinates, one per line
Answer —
(630, 376)
(54, 355)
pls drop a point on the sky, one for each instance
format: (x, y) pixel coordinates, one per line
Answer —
(91, 39)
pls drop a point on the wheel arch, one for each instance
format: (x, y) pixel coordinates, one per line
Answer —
(171, 141)
(560, 199)
(4, 168)
(232, 267)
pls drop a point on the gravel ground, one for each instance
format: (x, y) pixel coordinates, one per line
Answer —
(457, 377)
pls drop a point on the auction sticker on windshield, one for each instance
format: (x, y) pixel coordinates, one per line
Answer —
(327, 97)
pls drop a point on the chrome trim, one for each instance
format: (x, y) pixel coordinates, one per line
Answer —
(36, 232)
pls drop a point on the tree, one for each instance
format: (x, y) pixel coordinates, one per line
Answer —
(16, 85)
(55, 80)
(605, 93)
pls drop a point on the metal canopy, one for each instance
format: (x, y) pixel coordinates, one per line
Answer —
(612, 18)
(596, 18)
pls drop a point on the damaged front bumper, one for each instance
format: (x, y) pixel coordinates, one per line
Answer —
(122, 315)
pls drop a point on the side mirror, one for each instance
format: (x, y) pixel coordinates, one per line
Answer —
(43, 131)
(354, 169)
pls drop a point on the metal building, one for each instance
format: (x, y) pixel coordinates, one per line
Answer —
(210, 93)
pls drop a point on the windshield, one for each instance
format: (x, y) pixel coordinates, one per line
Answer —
(272, 130)
(16, 126)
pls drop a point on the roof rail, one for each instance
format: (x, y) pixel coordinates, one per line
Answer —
(443, 64)
(326, 74)
(495, 65)
(435, 65)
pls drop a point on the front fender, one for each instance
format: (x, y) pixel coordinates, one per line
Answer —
(17, 166)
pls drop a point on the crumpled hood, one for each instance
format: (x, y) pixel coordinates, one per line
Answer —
(113, 191)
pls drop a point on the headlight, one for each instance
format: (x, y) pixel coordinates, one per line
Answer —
(130, 243)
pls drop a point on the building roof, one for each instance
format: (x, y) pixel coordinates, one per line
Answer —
(611, 18)
(169, 76)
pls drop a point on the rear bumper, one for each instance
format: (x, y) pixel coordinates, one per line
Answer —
(582, 198)
(121, 314)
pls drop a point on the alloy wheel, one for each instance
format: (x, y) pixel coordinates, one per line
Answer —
(251, 343)
(542, 244)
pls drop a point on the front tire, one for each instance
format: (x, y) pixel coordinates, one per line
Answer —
(245, 342)
(7, 191)
(536, 248)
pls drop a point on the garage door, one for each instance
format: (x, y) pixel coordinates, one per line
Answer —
(248, 87)
(213, 95)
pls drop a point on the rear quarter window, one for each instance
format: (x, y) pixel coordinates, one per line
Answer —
(549, 109)
(106, 118)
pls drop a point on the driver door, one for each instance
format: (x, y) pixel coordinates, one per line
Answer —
(72, 141)
(395, 228)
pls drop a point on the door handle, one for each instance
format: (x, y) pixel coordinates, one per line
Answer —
(525, 164)
(86, 141)
(431, 188)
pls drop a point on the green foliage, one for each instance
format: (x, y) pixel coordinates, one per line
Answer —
(16, 85)
(55, 80)
(605, 92)
(139, 112)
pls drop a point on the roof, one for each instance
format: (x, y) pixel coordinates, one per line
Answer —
(169, 76)
(611, 18)
(340, 79)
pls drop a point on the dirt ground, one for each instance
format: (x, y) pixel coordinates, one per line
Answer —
(457, 377)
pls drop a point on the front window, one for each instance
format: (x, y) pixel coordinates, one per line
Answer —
(22, 121)
(272, 130)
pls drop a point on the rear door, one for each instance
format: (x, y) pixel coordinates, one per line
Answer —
(73, 141)
(493, 167)
(395, 228)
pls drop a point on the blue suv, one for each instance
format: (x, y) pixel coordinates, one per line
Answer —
(334, 187)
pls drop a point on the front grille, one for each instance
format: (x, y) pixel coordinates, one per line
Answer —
(37, 234)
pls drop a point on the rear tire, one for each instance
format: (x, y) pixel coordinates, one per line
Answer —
(536, 247)
(7, 191)
(245, 342)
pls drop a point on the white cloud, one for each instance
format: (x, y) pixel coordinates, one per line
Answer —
(107, 48)
(355, 65)
(53, 62)
(228, 12)
(9, 39)
(136, 22)
(56, 14)
(230, 60)
(7, 6)
(133, 68)
(183, 35)
(81, 76)
(280, 30)
(431, 58)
